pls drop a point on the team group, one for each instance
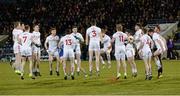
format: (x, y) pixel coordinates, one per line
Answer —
(146, 43)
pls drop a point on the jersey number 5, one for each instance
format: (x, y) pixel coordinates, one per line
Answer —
(68, 42)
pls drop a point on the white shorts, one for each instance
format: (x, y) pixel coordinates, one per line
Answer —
(53, 52)
(129, 53)
(120, 53)
(26, 51)
(94, 46)
(36, 49)
(77, 50)
(68, 54)
(16, 48)
(106, 50)
(146, 54)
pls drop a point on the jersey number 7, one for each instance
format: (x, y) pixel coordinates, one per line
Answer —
(24, 38)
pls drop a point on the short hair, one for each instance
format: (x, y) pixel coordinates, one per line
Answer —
(93, 22)
(150, 30)
(74, 26)
(119, 27)
(35, 25)
(16, 24)
(52, 28)
(158, 27)
(145, 30)
(27, 27)
(68, 31)
(103, 30)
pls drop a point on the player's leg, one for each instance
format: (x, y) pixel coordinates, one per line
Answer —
(38, 63)
(117, 56)
(90, 61)
(134, 66)
(50, 63)
(161, 69)
(146, 67)
(72, 67)
(97, 54)
(150, 66)
(22, 67)
(64, 68)
(109, 59)
(122, 58)
(34, 60)
(31, 67)
(101, 58)
(17, 63)
(57, 64)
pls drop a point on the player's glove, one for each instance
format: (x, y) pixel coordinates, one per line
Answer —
(77, 38)
(37, 45)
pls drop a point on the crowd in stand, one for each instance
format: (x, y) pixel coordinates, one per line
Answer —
(62, 14)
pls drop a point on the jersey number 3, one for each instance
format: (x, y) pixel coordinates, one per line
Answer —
(68, 42)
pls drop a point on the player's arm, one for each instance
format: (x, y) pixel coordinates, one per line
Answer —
(45, 44)
(82, 39)
(19, 40)
(141, 46)
(87, 38)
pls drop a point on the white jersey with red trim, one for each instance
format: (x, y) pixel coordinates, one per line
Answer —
(93, 33)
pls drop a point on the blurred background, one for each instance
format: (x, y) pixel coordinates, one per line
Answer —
(63, 14)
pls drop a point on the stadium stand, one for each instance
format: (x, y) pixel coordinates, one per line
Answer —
(63, 14)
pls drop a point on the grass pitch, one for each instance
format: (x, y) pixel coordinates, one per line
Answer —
(10, 83)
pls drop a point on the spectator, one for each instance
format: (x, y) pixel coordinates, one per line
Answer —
(170, 45)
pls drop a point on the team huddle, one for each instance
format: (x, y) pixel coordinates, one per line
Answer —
(146, 44)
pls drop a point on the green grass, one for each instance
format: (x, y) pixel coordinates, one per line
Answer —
(10, 83)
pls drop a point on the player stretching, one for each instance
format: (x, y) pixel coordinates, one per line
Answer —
(16, 47)
(119, 38)
(51, 45)
(36, 50)
(130, 53)
(79, 39)
(106, 40)
(145, 51)
(25, 39)
(93, 38)
(157, 51)
(69, 43)
(163, 41)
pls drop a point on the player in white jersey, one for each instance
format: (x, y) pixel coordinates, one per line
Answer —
(162, 39)
(69, 42)
(130, 53)
(51, 45)
(119, 38)
(145, 50)
(25, 39)
(93, 38)
(137, 35)
(157, 51)
(79, 39)
(106, 41)
(157, 58)
(16, 47)
(36, 50)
